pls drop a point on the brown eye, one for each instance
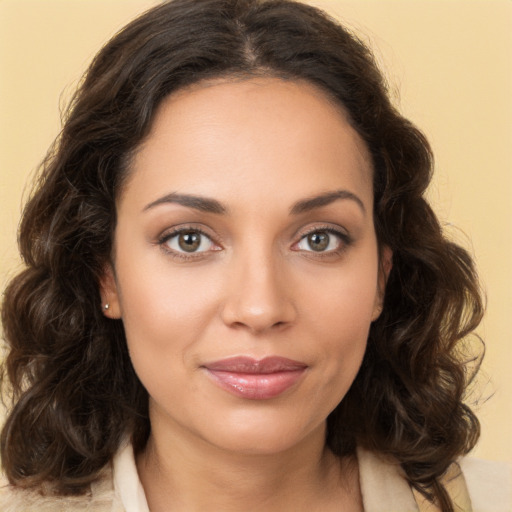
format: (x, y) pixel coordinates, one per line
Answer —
(189, 241)
(318, 241)
(322, 241)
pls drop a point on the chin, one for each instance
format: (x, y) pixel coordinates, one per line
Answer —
(262, 434)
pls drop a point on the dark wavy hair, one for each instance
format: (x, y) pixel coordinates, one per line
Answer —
(74, 392)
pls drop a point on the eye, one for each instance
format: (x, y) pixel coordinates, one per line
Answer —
(321, 241)
(189, 241)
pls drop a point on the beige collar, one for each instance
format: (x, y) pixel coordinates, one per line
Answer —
(383, 485)
(385, 488)
(126, 481)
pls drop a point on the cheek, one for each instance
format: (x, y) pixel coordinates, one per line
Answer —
(340, 309)
(163, 312)
(162, 325)
(155, 296)
(343, 301)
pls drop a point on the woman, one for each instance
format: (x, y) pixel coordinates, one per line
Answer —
(236, 295)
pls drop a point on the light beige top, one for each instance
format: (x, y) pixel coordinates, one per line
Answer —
(482, 486)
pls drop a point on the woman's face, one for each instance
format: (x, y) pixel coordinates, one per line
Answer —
(246, 266)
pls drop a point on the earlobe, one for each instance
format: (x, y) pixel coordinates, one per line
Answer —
(385, 266)
(109, 293)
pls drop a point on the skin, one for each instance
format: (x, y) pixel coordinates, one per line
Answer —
(254, 287)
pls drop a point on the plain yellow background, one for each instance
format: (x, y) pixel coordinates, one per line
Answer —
(449, 63)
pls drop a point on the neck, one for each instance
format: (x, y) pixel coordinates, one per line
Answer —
(182, 472)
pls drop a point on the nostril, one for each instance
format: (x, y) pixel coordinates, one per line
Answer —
(238, 325)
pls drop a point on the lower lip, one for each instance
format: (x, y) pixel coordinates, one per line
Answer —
(256, 386)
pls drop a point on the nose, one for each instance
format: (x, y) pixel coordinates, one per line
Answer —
(260, 297)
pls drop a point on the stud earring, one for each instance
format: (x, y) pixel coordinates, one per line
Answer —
(106, 306)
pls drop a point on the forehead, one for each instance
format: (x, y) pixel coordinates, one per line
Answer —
(228, 136)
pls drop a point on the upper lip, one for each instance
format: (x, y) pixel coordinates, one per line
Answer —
(244, 364)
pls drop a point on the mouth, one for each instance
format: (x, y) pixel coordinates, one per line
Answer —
(254, 379)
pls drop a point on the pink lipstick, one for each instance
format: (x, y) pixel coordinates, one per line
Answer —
(256, 379)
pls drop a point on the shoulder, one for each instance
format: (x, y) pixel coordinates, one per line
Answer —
(13, 499)
(488, 482)
(100, 498)
(473, 484)
(383, 483)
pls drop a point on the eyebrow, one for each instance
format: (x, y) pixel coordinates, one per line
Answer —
(306, 205)
(203, 204)
(209, 205)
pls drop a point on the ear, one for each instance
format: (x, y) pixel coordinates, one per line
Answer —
(109, 293)
(385, 266)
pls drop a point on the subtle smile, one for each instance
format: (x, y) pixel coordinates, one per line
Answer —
(256, 379)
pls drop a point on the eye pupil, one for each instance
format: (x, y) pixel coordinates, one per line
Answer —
(189, 241)
(318, 241)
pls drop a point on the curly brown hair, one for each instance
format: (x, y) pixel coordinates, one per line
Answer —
(74, 392)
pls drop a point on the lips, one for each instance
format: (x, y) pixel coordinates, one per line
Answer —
(256, 379)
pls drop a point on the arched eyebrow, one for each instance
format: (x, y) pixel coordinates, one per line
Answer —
(305, 205)
(210, 205)
(203, 204)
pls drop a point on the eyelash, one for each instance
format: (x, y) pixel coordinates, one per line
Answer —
(164, 239)
(346, 241)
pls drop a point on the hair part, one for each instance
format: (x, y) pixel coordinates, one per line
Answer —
(75, 393)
